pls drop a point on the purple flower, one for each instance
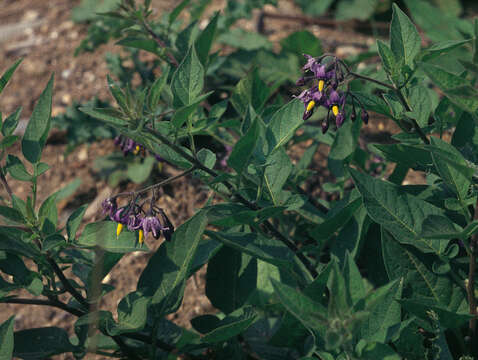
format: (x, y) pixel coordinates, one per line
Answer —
(120, 215)
(109, 206)
(311, 62)
(135, 221)
(152, 224)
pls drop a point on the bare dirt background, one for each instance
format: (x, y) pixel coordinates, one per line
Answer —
(42, 32)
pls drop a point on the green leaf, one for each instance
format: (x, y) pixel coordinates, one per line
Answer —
(74, 222)
(108, 115)
(38, 127)
(246, 40)
(251, 90)
(356, 9)
(132, 314)
(335, 220)
(379, 351)
(8, 74)
(302, 42)
(233, 324)
(11, 214)
(399, 212)
(177, 10)
(11, 240)
(384, 312)
(205, 39)
(353, 280)
(231, 278)
(118, 94)
(6, 339)
(11, 122)
(139, 172)
(257, 245)
(284, 123)
(441, 48)
(455, 87)
(388, 61)
(421, 104)
(103, 234)
(404, 261)
(16, 169)
(310, 313)
(41, 343)
(141, 43)
(48, 215)
(154, 94)
(164, 278)
(188, 80)
(278, 169)
(448, 319)
(182, 114)
(452, 168)
(405, 41)
(243, 150)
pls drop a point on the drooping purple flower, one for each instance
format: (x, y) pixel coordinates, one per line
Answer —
(311, 61)
(225, 155)
(109, 206)
(135, 221)
(121, 215)
(152, 224)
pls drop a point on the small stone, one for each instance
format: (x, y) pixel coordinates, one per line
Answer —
(83, 154)
(65, 74)
(66, 99)
(54, 35)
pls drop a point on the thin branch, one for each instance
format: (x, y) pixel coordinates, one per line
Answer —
(52, 303)
(5, 184)
(66, 283)
(154, 186)
(160, 42)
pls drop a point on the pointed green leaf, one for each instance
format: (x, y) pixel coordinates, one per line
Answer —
(284, 123)
(404, 261)
(353, 280)
(278, 169)
(38, 127)
(399, 212)
(8, 74)
(231, 278)
(103, 234)
(233, 324)
(41, 343)
(11, 122)
(405, 41)
(244, 148)
(310, 313)
(6, 339)
(206, 38)
(109, 115)
(384, 312)
(164, 278)
(16, 169)
(74, 222)
(188, 80)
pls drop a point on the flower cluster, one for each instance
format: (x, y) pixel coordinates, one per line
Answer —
(326, 78)
(135, 218)
(128, 145)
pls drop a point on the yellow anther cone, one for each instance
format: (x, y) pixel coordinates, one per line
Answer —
(141, 237)
(310, 105)
(119, 228)
(321, 85)
(335, 110)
